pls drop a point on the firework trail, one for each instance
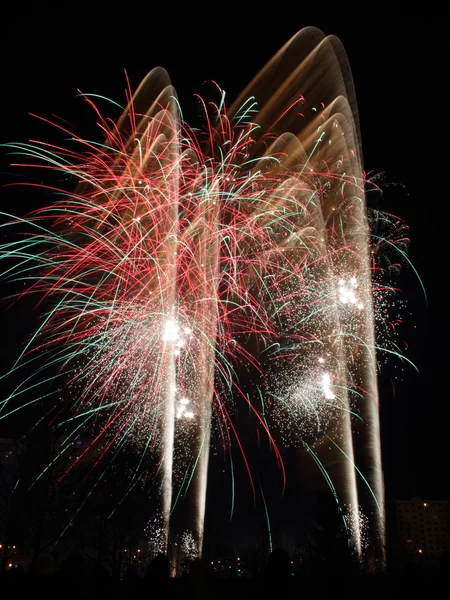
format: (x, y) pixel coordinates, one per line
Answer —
(184, 254)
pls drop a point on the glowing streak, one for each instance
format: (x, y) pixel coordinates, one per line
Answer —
(269, 532)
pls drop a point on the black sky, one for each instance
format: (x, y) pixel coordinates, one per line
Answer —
(47, 56)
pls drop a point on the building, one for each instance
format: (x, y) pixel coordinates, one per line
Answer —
(421, 530)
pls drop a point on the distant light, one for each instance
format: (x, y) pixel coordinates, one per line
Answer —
(425, 504)
(10, 565)
(420, 551)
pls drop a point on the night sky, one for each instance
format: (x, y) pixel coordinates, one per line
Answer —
(45, 59)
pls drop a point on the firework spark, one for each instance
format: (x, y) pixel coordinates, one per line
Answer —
(185, 256)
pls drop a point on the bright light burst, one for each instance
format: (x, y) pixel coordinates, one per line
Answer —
(187, 255)
(156, 535)
(188, 547)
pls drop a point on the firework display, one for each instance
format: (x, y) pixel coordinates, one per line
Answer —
(186, 256)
